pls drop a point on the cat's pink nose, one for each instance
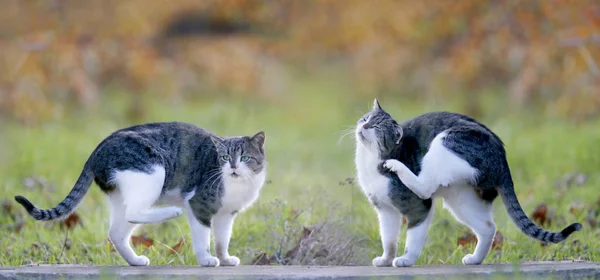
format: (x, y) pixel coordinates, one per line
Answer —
(233, 167)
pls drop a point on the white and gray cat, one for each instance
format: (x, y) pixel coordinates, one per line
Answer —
(179, 164)
(402, 167)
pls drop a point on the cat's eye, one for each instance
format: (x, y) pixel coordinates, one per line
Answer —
(245, 158)
(225, 157)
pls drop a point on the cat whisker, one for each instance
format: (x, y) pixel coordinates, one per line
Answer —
(214, 178)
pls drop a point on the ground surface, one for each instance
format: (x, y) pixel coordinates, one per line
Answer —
(527, 270)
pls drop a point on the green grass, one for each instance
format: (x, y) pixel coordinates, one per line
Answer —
(307, 167)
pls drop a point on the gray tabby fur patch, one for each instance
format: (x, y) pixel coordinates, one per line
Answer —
(189, 164)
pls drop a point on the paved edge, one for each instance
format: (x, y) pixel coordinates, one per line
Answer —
(567, 269)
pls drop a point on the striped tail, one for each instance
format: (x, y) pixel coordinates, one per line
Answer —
(67, 206)
(526, 225)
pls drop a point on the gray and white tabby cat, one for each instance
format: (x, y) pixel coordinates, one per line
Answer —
(179, 164)
(402, 167)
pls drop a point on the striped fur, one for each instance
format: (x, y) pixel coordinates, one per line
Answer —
(65, 207)
(526, 225)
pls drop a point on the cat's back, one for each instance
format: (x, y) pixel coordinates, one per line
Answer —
(427, 126)
(141, 146)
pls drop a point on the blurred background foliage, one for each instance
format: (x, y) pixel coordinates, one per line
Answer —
(57, 54)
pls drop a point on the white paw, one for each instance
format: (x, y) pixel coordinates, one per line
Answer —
(140, 261)
(381, 261)
(469, 259)
(209, 261)
(404, 261)
(393, 165)
(230, 261)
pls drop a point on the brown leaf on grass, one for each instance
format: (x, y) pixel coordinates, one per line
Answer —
(592, 221)
(177, 246)
(17, 227)
(306, 232)
(467, 239)
(540, 215)
(498, 241)
(470, 238)
(263, 259)
(8, 210)
(142, 239)
(71, 221)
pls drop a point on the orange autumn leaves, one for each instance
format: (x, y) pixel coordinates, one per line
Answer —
(69, 51)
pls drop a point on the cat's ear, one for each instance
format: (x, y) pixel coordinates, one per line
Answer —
(399, 134)
(376, 105)
(218, 141)
(259, 138)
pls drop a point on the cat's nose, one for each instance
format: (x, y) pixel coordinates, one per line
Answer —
(233, 167)
(366, 126)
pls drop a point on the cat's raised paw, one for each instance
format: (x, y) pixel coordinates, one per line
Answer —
(209, 261)
(176, 211)
(140, 261)
(403, 261)
(469, 259)
(392, 165)
(230, 261)
(381, 262)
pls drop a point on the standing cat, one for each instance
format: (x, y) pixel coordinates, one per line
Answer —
(212, 178)
(402, 167)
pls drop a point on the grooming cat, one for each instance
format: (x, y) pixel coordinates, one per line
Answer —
(212, 178)
(402, 167)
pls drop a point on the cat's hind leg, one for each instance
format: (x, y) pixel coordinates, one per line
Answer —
(140, 190)
(415, 240)
(389, 228)
(439, 167)
(468, 208)
(120, 231)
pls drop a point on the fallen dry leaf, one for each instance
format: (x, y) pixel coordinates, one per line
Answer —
(540, 215)
(177, 246)
(263, 259)
(142, 240)
(306, 232)
(592, 221)
(470, 238)
(7, 209)
(498, 241)
(71, 221)
(467, 239)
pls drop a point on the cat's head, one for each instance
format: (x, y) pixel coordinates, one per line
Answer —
(241, 157)
(378, 131)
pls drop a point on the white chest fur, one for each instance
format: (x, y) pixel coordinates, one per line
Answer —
(372, 183)
(241, 193)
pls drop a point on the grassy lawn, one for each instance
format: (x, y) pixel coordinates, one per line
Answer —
(309, 182)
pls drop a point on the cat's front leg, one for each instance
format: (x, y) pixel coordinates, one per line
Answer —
(200, 240)
(410, 180)
(222, 228)
(389, 228)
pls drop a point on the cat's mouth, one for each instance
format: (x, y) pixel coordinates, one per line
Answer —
(234, 175)
(362, 136)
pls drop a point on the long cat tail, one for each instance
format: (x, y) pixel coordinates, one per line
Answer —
(68, 205)
(526, 225)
